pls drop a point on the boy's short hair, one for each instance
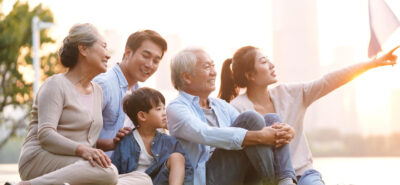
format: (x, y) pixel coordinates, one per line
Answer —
(142, 99)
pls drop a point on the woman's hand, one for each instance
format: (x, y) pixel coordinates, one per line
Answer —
(387, 59)
(93, 155)
(284, 133)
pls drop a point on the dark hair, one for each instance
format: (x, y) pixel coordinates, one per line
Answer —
(142, 99)
(85, 34)
(232, 79)
(136, 39)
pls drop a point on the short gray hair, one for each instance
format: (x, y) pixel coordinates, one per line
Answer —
(183, 62)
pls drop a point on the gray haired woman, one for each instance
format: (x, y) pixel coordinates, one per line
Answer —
(67, 119)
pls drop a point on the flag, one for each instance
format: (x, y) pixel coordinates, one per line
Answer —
(382, 23)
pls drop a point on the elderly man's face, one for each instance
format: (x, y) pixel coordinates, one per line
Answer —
(202, 80)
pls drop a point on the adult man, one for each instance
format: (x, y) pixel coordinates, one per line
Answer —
(143, 53)
(223, 146)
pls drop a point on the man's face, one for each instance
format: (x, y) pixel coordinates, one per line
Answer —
(144, 62)
(202, 81)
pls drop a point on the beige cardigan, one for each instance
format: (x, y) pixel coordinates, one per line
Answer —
(59, 121)
(291, 102)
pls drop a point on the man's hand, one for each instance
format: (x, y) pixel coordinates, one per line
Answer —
(110, 144)
(267, 136)
(284, 133)
(121, 134)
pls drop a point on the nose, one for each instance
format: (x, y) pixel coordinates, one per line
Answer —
(108, 56)
(149, 64)
(271, 65)
(213, 72)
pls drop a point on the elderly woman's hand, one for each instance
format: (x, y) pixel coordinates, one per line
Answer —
(93, 155)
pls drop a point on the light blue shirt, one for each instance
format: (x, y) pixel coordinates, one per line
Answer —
(186, 121)
(114, 86)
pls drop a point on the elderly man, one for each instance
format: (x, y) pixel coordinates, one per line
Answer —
(224, 147)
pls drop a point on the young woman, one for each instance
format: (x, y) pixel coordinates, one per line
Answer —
(255, 72)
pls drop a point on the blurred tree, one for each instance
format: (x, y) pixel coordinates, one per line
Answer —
(16, 60)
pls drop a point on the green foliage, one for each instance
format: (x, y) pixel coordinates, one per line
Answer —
(16, 52)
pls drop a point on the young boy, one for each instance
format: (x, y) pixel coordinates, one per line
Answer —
(147, 150)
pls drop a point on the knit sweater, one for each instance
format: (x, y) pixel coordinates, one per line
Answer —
(59, 121)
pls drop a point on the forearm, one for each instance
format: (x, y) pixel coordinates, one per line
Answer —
(54, 142)
(265, 136)
(251, 138)
(105, 144)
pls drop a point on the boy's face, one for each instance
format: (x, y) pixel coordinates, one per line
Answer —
(156, 117)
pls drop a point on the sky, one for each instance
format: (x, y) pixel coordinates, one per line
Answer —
(222, 26)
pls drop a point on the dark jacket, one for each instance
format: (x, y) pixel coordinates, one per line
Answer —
(126, 156)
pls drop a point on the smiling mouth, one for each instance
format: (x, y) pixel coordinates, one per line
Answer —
(145, 72)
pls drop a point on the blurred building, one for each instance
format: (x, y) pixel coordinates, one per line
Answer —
(338, 110)
(295, 39)
(295, 44)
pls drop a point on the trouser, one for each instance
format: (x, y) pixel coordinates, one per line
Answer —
(310, 177)
(49, 168)
(258, 164)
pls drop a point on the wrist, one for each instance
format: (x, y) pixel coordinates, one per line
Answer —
(79, 150)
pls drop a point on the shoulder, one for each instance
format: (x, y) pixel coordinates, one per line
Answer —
(178, 101)
(240, 99)
(242, 103)
(168, 139)
(287, 89)
(55, 83)
(97, 89)
(106, 79)
(220, 102)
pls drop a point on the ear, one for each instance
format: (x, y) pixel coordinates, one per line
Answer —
(82, 49)
(127, 52)
(142, 116)
(249, 75)
(187, 78)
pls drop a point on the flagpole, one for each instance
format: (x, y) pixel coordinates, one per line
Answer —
(37, 25)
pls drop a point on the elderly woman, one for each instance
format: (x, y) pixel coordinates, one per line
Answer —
(67, 119)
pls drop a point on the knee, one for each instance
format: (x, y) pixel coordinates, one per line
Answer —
(253, 119)
(271, 118)
(311, 176)
(109, 175)
(175, 158)
(141, 178)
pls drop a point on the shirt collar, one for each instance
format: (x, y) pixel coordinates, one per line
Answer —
(121, 78)
(194, 98)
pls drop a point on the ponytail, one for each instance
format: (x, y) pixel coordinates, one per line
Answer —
(228, 89)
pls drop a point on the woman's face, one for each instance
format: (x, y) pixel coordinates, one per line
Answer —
(264, 73)
(98, 55)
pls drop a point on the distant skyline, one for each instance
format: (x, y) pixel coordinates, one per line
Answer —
(338, 30)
